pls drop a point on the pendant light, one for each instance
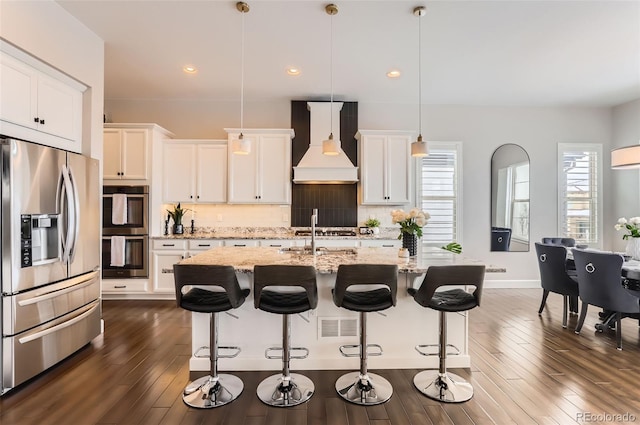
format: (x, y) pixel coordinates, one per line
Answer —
(331, 146)
(626, 157)
(419, 147)
(242, 146)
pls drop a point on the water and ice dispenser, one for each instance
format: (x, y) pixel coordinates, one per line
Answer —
(40, 239)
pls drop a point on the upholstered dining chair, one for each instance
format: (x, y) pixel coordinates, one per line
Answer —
(567, 242)
(600, 284)
(554, 277)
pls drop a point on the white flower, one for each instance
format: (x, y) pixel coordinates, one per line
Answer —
(634, 220)
(618, 226)
(421, 220)
(413, 213)
(622, 220)
(398, 215)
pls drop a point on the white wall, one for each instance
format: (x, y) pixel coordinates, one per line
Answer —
(624, 184)
(46, 31)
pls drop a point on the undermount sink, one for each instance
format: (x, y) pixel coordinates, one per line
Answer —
(305, 250)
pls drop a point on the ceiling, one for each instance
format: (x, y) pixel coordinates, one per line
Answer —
(511, 53)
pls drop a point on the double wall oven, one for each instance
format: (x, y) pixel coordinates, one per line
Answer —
(134, 230)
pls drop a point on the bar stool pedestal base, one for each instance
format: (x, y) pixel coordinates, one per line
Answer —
(274, 391)
(446, 387)
(206, 393)
(367, 390)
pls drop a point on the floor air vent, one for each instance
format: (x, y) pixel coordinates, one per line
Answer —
(332, 327)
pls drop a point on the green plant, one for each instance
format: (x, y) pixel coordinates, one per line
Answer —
(177, 213)
(454, 247)
(372, 222)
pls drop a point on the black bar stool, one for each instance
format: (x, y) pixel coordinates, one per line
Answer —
(442, 385)
(292, 290)
(214, 389)
(362, 387)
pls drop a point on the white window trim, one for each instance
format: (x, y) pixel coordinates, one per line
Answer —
(457, 146)
(597, 147)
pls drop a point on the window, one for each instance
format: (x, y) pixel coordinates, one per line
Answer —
(439, 192)
(579, 183)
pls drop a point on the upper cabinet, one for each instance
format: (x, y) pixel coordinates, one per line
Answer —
(195, 171)
(264, 175)
(385, 164)
(40, 104)
(127, 147)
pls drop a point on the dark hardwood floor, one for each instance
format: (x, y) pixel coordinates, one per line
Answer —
(525, 369)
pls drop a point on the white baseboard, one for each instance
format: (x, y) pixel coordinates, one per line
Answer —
(512, 284)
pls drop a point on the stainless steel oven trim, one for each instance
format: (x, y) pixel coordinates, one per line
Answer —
(122, 230)
(119, 273)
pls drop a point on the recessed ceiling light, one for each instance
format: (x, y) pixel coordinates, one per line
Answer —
(293, 71)
(394, 73)
(190, 69)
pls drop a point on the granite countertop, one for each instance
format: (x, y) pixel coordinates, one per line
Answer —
(243, 259)
(274, 233)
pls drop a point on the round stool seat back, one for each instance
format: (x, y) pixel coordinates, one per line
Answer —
(300, 293)
(348, 294)
(226, 295)
(453, 300)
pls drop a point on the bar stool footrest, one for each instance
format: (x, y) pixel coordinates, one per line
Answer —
(445, 387)
(208, 392)
(236, 350)
(292, 357)
(419, 349)
(345, 347)
(365, 390)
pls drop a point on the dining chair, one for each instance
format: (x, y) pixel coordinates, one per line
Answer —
(554, 276)
(567, 242)
(600, 284)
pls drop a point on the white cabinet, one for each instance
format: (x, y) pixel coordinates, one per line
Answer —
(381, 243)
(385, 164)
(264, 175)
(127, 150)
(42, 100)
(165, 253)
(195, 171)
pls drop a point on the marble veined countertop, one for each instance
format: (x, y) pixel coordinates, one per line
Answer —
(244, 258)
(274, 233)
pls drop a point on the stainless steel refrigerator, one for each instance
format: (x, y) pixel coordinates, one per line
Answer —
(50, 231)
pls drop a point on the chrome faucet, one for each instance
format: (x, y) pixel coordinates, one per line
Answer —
(314, 221)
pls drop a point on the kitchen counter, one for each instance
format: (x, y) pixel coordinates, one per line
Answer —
(274, 233)
(399, 329)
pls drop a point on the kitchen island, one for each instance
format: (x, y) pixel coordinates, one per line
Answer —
(398, 329)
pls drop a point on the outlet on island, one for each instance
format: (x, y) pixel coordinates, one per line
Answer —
(219, 217)
(285, 217)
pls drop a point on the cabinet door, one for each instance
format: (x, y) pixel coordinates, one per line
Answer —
(18, 92)
(179, 173)
(275, 169)
(134, 154)
(398, 169)
(112, 153)
(59, 109)
(211, 177)
(373, 170)
(163, 262)
(243, 175)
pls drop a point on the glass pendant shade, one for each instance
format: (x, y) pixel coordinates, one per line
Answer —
(330, 146)
(625, 158)
(241, 145)
(419, 148)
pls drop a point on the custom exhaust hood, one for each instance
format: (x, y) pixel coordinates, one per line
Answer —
(315, 167)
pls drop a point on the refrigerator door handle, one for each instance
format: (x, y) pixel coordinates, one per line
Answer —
(66, 194)
(41, 334)
(75, 214)
(34, 300)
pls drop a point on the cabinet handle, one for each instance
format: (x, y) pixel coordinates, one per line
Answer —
(41, 121)
(276, 244)
(240, 244)
(190, 196)
(387, 246)
(182, 256)
(204, 244)
(36, 119)
(168, 244)
(119, 286)
(198, 197)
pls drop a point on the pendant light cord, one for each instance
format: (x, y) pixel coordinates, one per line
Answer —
(420, 74)
(242, 75)
(331, 70)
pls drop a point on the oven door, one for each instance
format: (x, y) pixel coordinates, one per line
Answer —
(137, 216)
(136, 258)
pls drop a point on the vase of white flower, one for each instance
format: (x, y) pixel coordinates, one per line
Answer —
(411, 224)
(632, 226)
